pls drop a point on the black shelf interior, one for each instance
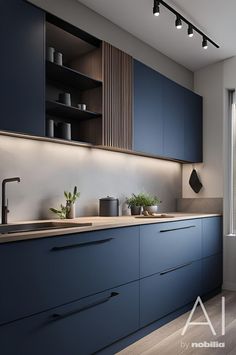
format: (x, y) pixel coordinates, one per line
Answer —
(68, 76)
(58, 109)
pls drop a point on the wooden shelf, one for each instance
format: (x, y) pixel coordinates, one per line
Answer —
(57, 109)
(71, 77)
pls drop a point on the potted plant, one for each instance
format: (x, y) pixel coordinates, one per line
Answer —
(143, 201)
(151, 204)
(135, 203)
(67, 211)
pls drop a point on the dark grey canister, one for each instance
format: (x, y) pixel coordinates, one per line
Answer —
(108, 207)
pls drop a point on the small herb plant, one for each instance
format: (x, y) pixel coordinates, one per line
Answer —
(142, 200)
(71, 198)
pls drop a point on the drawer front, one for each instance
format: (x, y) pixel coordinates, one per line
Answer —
(212, 236)
(165, 245)
(41, 274)
(81, 327)
(164, 293)
(212, 271)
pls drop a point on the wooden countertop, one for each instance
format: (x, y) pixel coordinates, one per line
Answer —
(98, 223)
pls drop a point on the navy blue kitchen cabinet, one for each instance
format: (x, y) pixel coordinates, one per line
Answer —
(167, 245)
(167, 117)
(22, 68)
(79, 293)
(148, 110)
(193, 129)
(212, 236)
(173, 115)
(48, 272)
(212, 240)
(165, 292)
(211, 273)
(78, 328)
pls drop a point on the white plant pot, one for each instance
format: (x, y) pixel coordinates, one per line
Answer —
(151, 209)
(71, 212)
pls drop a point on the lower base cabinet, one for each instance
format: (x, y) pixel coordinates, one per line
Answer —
(169, 290)
(212, 273)
(81, 327)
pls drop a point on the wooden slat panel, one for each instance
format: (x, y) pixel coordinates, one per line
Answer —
(117, 97)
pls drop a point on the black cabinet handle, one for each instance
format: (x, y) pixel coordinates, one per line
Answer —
(81, 245)
(58, 316)
(175, 229)
(174, 268)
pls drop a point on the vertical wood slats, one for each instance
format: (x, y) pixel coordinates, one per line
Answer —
(117, 97)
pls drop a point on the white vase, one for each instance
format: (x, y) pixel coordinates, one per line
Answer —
(71, 211)
(151, 209)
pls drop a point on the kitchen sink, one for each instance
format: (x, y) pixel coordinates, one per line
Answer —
(39, 226)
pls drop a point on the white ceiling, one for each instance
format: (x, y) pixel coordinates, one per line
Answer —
(216, 18)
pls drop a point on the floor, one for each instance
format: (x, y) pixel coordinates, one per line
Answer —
(168, 340)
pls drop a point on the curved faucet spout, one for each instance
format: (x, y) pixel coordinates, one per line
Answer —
(5, 210)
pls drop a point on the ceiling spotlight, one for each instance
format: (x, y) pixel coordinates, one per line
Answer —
(178, 23)
(204, 43)
(156, 8)
(190, 31)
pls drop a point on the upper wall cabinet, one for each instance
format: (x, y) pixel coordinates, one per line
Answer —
(167, 117)
(148, 110)
(22, 68)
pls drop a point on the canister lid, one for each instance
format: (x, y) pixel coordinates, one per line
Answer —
(108, 198)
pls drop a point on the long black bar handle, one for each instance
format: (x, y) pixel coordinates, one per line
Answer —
(174, 268)
(58, 316)
(175, 229)
(81, 245)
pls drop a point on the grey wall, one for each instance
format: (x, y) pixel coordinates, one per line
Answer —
(81, 16)
(47, 169)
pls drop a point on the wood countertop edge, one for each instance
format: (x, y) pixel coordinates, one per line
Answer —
(98, 223)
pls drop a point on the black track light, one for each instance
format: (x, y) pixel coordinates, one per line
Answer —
(204, 43)
(178, 23)
(190, 31)
(156, 8)
(180, 20)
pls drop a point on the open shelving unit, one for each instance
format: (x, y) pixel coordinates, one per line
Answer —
(80, 75)
(71, 77)
(58, 109)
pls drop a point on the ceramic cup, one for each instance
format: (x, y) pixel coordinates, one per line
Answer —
(65, 98)
(58, 58)
(50, 128)
(50, 54)
(64, 130)
(82, 107)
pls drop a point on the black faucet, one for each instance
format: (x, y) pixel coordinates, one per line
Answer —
(4, 200)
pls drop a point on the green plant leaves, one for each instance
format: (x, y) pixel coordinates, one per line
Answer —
(70, 199)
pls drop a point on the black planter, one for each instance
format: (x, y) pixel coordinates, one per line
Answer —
(135, 210)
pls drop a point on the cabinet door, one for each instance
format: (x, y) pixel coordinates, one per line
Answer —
(22, 68)
(163, 293)
(193, 127)
(148, 114)
(79, 328)
(212, 236)
(173, 113)
(166, 245)
(45, 273)
(211, 273)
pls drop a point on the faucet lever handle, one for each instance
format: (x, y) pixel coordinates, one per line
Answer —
(7, 206)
